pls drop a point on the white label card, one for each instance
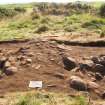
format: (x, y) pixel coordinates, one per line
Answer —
(35, 84)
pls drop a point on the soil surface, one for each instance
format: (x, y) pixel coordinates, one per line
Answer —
(44, 62)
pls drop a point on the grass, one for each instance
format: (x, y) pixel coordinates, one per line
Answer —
(28, 27)
(46, 98)
(29, 24)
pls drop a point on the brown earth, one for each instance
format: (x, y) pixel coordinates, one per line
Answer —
(46, 65)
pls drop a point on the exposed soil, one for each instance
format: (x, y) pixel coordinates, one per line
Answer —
(46, 65)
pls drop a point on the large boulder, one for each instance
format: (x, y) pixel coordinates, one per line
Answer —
(69, 63)
(78, 83)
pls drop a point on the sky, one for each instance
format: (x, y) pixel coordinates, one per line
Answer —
(26, 1)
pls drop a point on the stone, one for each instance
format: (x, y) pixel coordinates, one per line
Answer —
(2, 62)
(7, 64)
(69, 63)
(78, 83)
(22, 49)
(102, 62)
(31, 54)
(59, 75)
(98, 76)
(88, 64)
(103, 95)
(37, 67)
(21, 57)
(95, 59)
(99, 68)
(11, 59)
(92, 85)
(10, 70)
(62, 47)
(29, 60)
(3, 59)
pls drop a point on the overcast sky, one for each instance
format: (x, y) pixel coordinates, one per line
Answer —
(26, 1)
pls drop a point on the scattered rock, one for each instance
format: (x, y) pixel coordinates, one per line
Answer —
(95, 60)
(99, 68)
(60, 75)
(10, 70)
(78, 83)
(53, 85)
(103, 95)
(87, 65)
(29, 60)
(21, 57)
(92, 85)
(102, 62)
(2, 62)
(7, 64)
(14, 69)
(11, 59)
(63, 47)
(69, 63)
(30, 54)
(98, 76)
(37, 67)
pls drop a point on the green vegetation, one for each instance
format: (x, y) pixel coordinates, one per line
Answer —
(28, 20)
(9, 13)
(102, 10)
(44, 98)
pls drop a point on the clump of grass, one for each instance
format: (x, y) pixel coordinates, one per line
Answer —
(45, 20)
(102, 34)
(94, 23)
(7, 13)
(20, 9)
(42, 28)
(80, 100)
(19, 24)
(35, 16)
(70, 28)
(102, 10)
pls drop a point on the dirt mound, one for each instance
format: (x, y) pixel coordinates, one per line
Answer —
(42, 60)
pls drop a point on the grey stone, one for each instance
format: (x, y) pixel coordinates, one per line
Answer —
(95, 60)
(98, 76)
(99, 68)
(69, 63)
